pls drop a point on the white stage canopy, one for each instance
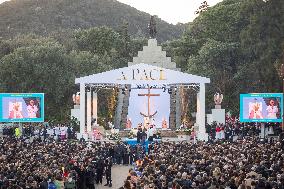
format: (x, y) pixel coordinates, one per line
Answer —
(141, 74)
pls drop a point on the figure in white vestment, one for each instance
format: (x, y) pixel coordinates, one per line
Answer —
(128, 123)
(150, 133)
(255, 110)
(182, 126)
(272, 110)
(32, 109)
(15, 110)
(164, 124)
(147, 122)
(110, 125)
(76, 98)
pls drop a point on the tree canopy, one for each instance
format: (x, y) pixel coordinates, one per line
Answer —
(236, 43)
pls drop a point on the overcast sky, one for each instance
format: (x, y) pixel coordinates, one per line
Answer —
(172, 11)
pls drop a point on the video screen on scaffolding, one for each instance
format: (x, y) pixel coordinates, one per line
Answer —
(21, 107)
(261, 107)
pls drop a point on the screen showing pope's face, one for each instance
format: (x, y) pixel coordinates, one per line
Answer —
(261, 107)
(21, 107)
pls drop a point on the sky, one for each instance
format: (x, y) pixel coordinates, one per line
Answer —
(172, 11)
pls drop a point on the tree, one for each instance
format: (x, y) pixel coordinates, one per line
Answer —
(262, 44)
(99, 40)
(203, 7)
(217, 61)
(44, 68)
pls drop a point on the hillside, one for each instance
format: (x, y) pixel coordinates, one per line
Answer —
(44, 17)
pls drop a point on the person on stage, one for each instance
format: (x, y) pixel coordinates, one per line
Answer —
(144, 136)
(150, 133)
(139, 134)
(32, 109)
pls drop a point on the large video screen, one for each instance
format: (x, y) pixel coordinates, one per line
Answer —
(21, 107)
(261, 107)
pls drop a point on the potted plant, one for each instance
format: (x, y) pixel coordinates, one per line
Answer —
(132, 134)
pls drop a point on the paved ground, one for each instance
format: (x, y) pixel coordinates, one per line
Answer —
(119, 174)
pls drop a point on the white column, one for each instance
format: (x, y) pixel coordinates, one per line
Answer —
(95, 107)
(89, 112)
(118, 111)
(200, 115)
(178, 107)
(82, 108)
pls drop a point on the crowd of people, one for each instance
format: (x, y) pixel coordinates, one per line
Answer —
(59, 131)
(243, 164)
(235, 128)
(33, 160)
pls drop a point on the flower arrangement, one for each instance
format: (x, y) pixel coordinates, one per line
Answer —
(114, 136)
(132, 133)
(185, 131)
(158, 134)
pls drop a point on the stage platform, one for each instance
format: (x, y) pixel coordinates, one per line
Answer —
(164, 133)
(133, 142)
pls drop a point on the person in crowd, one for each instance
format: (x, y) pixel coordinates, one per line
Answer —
(90, 178)
(69, 133)
(70, 183)
(108, 165)
(126, 154)
(17, 132)
(100, 170)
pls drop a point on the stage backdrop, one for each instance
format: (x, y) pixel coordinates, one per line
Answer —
(261, 107)
(21, 107)
(138, 104)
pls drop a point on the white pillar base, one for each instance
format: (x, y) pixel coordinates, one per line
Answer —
(200, 114)
(95, 108)
(82, 108)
